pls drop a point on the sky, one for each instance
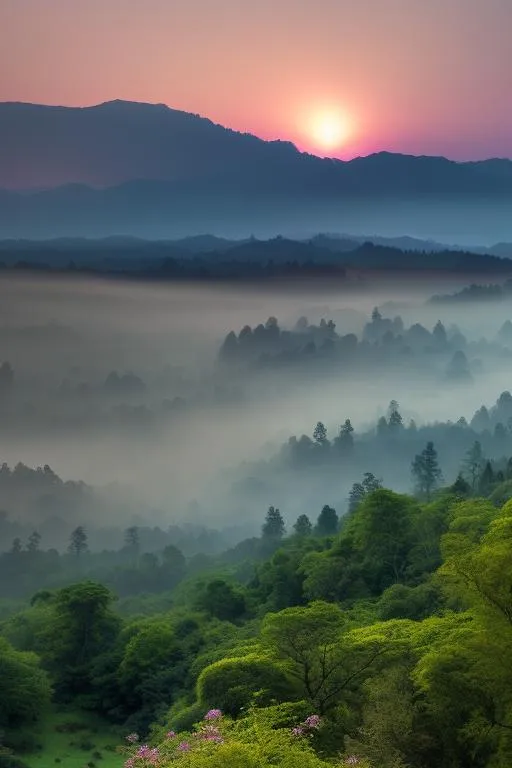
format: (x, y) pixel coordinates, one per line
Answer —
(336, 77)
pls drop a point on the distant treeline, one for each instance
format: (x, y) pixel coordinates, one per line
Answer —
(476, 293)
(212, 258)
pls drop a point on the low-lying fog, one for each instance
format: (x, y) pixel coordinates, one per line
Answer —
(179, 430)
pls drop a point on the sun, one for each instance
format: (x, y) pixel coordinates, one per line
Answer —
(329, 130)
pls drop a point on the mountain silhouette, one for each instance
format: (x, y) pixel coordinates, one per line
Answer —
(148, 170)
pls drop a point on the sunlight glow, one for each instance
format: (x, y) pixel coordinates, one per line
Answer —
(329, 130)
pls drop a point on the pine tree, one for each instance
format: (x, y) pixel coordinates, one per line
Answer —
(395, 421)
(273, 527)
(426, 471)
(78, 542)
(303, 526)
(327, 523)
(320, 435)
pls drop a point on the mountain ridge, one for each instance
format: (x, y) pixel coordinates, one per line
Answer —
(147, 170)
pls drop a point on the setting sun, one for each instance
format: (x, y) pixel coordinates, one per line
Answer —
(329, 130)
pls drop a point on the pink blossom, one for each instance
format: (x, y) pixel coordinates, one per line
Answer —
(144, 751)
(184, 746)
(171, 735)
(313, 721)
(213, 714)
(298, 731)
(132, 738)
(130, 763)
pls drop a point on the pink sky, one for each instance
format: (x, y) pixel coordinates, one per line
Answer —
(419, 76)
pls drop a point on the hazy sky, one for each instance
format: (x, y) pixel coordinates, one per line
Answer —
(421, 76)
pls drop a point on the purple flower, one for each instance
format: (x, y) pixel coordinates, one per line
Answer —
(130, 763)
(213, 714)
(184, 746)
(313, 721)
(298, 731)
(132, 738)
(144, 751)
(171, 735)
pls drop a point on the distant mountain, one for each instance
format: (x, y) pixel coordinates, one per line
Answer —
(124, 168)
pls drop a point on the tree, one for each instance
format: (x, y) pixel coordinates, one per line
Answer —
(461, 487)
(486, 480)
(345, 439)
(473, 464)
(273, 527)
(439, 334)
(222, 600)
(232, 683)
(359, 490)
(458, 368)
(355, 497)
(320, 435)
(34, 540)
(303, 526)
(371, 483)
(381, 530)
(395, 421)
(78, 542)
(382, 427)
(26, 690)
(229, 349)
(82, 628)
(426, 471)
(318, 654)
(327, 523)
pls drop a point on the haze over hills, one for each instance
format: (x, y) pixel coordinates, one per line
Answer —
(150, 171)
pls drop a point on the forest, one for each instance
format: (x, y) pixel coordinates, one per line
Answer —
(231, 541)
(377, 638)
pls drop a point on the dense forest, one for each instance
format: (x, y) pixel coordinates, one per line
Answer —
(378, 638)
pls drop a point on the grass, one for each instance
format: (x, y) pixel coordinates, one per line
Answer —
(74, 739)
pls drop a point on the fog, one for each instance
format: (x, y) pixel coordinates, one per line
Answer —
(190, 437)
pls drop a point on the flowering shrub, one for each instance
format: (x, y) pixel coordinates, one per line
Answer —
(247, 743)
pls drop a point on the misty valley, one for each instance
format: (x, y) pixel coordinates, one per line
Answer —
(250, 510)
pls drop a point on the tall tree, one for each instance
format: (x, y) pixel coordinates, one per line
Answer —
(320, 435)
(345, 439)
(473, 464)
(78, 542)
(395, 420)
(327, 523)
(355, 497)
(273, 527)
(302, 526)
(426, 471)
